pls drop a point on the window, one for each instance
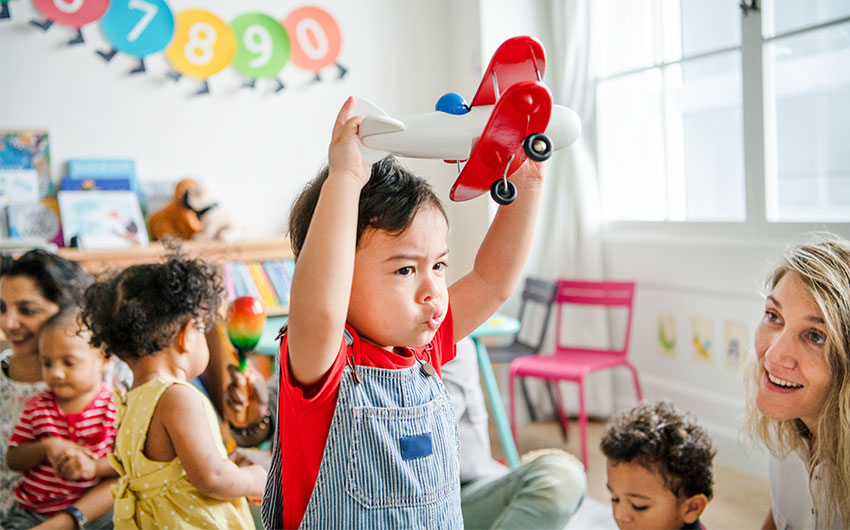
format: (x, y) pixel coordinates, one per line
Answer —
(671, 110)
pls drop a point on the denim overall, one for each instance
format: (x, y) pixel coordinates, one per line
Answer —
(391, 459)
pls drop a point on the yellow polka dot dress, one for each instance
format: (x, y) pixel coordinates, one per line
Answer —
(152, 494)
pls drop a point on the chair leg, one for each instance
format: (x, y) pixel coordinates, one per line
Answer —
(524, 387)
(558, 408)
(637, 383)
(582, 418)
(511, 385)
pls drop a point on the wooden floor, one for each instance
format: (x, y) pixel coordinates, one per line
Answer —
(740, 501)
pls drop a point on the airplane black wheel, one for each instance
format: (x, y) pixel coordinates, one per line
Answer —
(503, 192)
(537, 147)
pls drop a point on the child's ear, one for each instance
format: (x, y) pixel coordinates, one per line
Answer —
(693, 507)
(182, 339)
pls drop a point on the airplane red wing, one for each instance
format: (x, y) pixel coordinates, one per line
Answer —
(524, 109)
(517, 59)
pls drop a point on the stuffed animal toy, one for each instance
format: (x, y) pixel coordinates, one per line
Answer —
(175, 219)
(192, 214)
(216, 222)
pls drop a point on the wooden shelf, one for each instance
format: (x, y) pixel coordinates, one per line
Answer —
(94, 261)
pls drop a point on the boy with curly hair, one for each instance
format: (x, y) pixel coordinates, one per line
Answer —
(659, 468)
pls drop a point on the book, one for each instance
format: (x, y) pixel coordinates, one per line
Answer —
(96, 184)
(267, 292)
(87, 168)
(35, 220)
(94, 219)
(24, 165)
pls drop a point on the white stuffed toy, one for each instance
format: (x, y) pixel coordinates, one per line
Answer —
(217, 224)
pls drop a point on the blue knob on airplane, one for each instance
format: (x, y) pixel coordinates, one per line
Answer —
(452, 103)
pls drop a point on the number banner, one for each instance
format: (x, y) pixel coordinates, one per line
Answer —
(72, 13)
(315, 37)
(138, 27)
(203, 44)
(262, 46)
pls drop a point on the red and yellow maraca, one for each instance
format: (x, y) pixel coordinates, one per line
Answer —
(246, 317)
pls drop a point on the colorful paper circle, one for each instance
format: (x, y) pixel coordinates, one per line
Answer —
(73, 13)
(262, 46)
(315, 38)
(203, 44)
(138, 27)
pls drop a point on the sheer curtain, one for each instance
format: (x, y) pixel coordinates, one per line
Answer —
(568, 242)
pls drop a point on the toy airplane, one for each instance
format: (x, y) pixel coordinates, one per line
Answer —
(511, 118)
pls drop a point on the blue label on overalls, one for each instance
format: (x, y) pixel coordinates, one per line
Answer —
(416, 446)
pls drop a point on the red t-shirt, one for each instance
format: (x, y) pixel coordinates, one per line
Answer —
(305, 422)
(41, 490)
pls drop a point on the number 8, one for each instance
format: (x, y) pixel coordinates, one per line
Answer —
(202, 36)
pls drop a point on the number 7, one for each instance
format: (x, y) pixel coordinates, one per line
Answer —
(150, 12)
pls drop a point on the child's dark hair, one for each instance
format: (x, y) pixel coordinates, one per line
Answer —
(659, 438)
(141, 310)
(60, 281)
(388, 202)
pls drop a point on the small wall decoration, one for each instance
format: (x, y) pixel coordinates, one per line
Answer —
(667, 335)
(198, 43)
(737, 342)
(72, 13)
(702, 332)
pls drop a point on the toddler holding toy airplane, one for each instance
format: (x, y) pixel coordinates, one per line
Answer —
(368, 436)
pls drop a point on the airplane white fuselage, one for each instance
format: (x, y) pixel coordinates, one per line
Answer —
(448, 136)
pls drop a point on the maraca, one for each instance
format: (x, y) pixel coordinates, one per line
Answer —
(246, 317)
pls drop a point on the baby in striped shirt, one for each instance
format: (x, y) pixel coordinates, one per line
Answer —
(65, 433)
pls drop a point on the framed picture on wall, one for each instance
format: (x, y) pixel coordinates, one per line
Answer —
(94, 219)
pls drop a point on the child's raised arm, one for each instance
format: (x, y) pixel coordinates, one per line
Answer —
(501, 256)
(321, 283)
(181, 413)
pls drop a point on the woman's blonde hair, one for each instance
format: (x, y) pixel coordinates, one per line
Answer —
(823, 268)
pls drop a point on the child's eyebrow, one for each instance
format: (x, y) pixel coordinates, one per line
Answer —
(413, 257)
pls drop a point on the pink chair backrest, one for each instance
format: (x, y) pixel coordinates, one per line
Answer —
(596, 293)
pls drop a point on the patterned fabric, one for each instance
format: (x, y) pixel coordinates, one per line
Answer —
(152, 494)
(13, 397)
(41, 490)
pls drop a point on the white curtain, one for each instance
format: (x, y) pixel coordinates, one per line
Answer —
(568, 242)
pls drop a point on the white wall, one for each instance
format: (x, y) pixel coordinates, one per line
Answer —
(254, 148)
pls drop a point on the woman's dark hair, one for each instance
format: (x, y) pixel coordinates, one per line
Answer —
(659, 438)
(60, 281)
(389, 201)
(141, 310)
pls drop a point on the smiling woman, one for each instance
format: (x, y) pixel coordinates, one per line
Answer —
(33, 288)
(799, 398)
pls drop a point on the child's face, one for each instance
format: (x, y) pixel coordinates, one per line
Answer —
(23, 310)
(69, 365)
(399, 295)
(640, 499)
(794, 376)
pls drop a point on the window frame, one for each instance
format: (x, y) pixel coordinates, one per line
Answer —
(758, 150)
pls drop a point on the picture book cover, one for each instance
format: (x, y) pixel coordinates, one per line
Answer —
(95, 219)
(38, 220)
(24, 166)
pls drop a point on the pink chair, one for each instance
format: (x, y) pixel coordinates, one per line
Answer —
(569, 363)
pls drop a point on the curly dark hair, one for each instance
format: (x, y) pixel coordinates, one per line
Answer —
(659, 438)
(389, 201)
(60, 281)
(141, 310)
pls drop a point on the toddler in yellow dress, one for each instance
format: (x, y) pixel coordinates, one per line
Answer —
(173, 468)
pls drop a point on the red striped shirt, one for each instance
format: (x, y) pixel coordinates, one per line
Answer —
(41, 490)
